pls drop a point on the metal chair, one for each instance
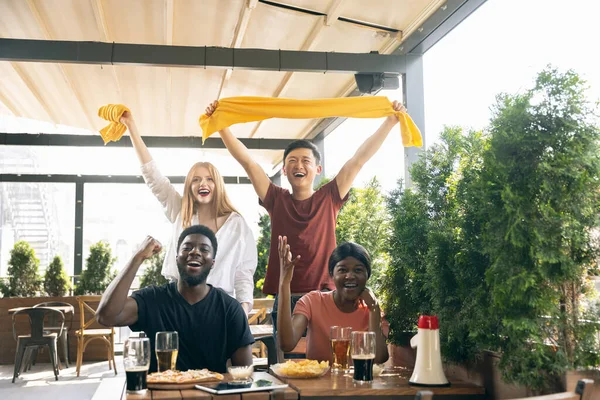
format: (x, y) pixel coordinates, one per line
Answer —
(52, 327)
(37, 337)
(85, 335)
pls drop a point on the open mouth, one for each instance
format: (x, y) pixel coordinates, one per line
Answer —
(299, 174)
(194, 264)
(350, 286)
(203, 192)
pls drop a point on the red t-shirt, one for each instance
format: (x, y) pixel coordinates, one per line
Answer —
(310, 228)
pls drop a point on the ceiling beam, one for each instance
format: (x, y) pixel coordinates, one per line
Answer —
(183, 142)
(447, 16)
(48, 36)
(105, 35)
(238, 38)
(61, 178)
(200, 57)
(333, 13)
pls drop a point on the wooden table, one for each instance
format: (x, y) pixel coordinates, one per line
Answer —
(281, 394)
(393, 384)
(259, 331)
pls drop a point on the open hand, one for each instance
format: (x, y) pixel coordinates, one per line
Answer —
(286, 263)
(148, 248)
(211, 108)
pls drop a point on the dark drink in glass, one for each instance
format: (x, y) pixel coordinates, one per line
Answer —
(363, 355)
(136, 359)
(363, 367)
(136, 379)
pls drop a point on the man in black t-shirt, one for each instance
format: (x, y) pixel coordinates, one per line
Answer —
(212, 326)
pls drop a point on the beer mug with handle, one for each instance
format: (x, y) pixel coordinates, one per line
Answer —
(363, 355)
(136, 360)
(167, 348)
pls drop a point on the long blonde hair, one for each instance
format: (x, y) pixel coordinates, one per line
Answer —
(220, 202)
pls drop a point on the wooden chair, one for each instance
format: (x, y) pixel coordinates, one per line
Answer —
(583, 391)
(260, 316)
(85, 335)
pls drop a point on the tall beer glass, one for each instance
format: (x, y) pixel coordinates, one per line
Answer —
(167, 348)
(340, 348)
(363, 355)
(136, 359)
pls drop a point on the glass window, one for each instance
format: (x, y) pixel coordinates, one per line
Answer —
(41, 214)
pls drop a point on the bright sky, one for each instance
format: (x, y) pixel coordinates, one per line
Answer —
(499, 48)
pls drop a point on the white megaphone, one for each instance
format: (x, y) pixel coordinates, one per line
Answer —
(428, 367)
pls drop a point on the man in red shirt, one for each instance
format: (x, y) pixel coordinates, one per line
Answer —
(307, 217)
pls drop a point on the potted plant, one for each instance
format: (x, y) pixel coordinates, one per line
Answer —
(23, 266)
(98, 271)
(152, 274)
(56, 281)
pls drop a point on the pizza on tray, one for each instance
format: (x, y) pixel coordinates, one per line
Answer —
(183, 377)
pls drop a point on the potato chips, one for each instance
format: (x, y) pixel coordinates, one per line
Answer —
(301, 369)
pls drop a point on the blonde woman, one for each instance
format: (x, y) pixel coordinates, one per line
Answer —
(204, 202)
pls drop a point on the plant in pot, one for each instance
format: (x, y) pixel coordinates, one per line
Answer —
(98, 271)
(23, 278)
(56, 281)
(152, 275)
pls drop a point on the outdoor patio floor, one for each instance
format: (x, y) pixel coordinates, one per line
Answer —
(39, 383)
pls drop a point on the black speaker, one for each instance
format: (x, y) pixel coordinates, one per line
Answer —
(371, 83)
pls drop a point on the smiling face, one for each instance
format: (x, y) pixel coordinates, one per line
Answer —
(195, 259)
(350, 278)
(202, 185)
(301, 168)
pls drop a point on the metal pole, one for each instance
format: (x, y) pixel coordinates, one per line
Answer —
(414, 100)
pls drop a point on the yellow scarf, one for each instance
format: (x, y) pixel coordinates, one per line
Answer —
(235, 110)
(114, 130)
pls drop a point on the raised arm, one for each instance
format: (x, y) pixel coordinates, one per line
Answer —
(236, 148)
(364, 153)
(116, 308)
(381, 352)
(136, 139)
(289, 329)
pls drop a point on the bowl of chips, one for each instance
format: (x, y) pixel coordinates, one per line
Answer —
(303, 369)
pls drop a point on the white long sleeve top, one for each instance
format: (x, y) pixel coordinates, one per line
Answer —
(236, 257)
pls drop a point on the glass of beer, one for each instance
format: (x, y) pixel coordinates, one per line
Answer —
(363, 355)
(167, 347)
(340, 348)
(136, 359)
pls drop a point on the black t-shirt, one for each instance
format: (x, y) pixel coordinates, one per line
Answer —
(210, 331)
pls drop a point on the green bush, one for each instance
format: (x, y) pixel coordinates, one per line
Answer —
(152, 275)
(56, 281)
(98, 271)
(364, 220)
(495, 238)
(23, 267)
(262, 247)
